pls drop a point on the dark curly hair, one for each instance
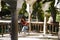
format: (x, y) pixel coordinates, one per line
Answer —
(23, 18)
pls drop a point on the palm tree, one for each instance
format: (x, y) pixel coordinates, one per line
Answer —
(37, 11)
(52, 10)
(23, 10)
(5, 9)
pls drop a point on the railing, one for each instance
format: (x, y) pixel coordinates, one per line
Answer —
(53, 28)
(35, 27)
(4, 28)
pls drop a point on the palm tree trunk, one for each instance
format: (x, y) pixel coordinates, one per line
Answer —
(14, 23)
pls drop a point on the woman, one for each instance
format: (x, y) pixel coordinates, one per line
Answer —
(25, 25)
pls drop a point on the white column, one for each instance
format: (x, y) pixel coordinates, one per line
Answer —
(29, 14)
(0, 5)
(45, 7)
(27, 7)
(44, 29)
(55, 3)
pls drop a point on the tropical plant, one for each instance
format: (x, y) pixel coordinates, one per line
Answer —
(23, 11)
(52, 10)
(58, 18)
(5, 9)
(37, 11)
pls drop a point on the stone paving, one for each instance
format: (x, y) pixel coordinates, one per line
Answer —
(26, 37)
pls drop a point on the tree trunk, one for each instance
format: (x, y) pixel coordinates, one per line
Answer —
(53, 14)
(14, 23)
(14, 27)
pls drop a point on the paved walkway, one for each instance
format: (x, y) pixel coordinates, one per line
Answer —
(19, 38)
(32, 36)
(59, 32)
